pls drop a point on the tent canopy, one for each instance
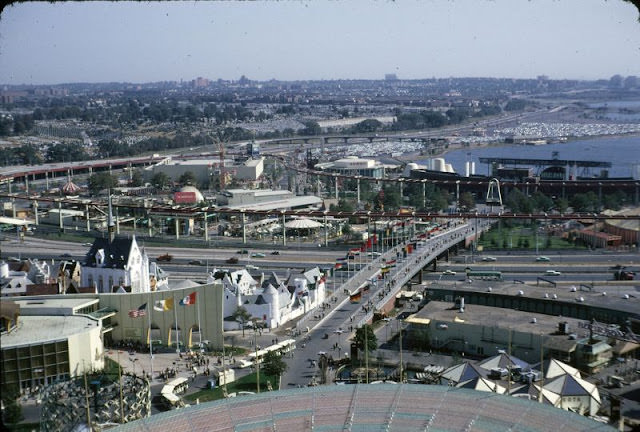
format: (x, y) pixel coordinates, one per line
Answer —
(302, 223)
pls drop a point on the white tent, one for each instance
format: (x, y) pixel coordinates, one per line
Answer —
(302, 223)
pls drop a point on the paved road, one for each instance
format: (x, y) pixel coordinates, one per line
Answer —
(331, 328)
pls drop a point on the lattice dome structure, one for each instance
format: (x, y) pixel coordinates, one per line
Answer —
(64, 404)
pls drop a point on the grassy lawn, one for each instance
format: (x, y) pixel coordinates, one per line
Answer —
(247, 383)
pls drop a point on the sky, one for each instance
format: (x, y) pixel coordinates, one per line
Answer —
(137, 42)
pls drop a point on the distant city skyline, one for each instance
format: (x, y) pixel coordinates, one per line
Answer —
(137, 42)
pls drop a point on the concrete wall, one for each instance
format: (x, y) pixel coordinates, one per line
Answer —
(208, 302)
(86, 351)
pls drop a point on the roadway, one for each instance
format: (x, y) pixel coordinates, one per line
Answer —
(329, 329)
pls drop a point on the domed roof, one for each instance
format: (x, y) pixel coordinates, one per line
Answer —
(199, 196)
(389, 407)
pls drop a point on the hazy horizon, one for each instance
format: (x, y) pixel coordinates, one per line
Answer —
(141, 42)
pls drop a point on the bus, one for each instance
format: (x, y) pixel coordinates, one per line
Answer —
(484, 275)
(281, 348)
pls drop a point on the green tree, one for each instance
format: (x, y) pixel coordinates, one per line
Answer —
(12, 409)
(160, 180)
(542, 202)
(367, 126)
(66, 152)
(343, 205)
(242, 316)
(273, 365)
(311, 128)
(438, 200)
(584, 202)
(346, 229)
(365, 333)
(518, 202)
(392, 198)
(100, 181)
(614, 201)
(136, 179)
(467, 201)
(188, 178)
(562, 204)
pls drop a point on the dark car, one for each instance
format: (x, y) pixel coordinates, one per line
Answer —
(243, 252)
(166, 257)
(275, 253)
(196, 262)
(232, 260)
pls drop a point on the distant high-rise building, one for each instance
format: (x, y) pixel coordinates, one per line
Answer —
(200, 82)
(391, 77)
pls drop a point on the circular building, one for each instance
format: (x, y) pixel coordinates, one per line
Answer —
(188, 195)
(380, 407)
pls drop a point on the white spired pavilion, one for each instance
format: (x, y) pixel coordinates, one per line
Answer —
(116, 264)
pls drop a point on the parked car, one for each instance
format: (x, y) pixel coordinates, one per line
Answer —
(543, 259)
(552, 273)
(166, 257)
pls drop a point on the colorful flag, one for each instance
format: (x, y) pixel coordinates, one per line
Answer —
(140, 312)
(188, 300)
(163, 305)
(338, 266)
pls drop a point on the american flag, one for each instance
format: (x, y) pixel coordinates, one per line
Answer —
(140, 312)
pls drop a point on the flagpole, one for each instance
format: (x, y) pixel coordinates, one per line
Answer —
(184, 323)
(199, 326)
(150, 338)
(175, 315)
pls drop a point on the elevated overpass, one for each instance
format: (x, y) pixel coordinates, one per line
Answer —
(406, 267)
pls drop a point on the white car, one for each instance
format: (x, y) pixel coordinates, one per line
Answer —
(552, 273)
(489, 259)
(251, 267)
(543, 259)
(449, 272)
